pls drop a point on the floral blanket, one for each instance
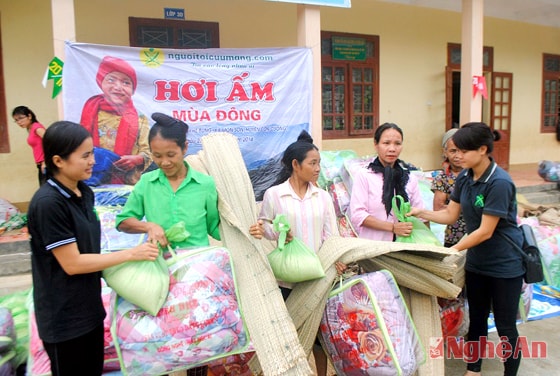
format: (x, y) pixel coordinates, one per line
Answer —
(367, 329)
(200, 321)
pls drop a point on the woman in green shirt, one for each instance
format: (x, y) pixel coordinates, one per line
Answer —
(172, 193)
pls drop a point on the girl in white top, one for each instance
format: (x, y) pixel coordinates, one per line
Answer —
(308, 209)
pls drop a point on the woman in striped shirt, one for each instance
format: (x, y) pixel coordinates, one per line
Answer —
(308, 209)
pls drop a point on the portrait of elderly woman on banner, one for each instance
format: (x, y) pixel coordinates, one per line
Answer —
(119, 131)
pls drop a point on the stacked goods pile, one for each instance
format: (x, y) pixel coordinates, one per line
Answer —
(283, 333)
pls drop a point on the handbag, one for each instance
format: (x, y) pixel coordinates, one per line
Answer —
(532, 260)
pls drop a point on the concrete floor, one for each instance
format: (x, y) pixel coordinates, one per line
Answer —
(545, 330)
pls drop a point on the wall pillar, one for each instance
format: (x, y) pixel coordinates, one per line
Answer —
(471, 59)
(64, 28)
(309, 35)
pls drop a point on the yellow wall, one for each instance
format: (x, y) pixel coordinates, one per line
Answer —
(26, 50)
(520, 50)
(413, 45)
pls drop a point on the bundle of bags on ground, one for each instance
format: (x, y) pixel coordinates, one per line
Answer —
(11, 217)
(7, 342)
(549, 171)
(14, 334)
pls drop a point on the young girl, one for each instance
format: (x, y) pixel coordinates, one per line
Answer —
(25, 118)
(66, 264)
(485, 194)
(308, 209)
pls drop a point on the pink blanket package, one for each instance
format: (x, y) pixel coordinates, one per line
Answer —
(367, 329)
(200, 321)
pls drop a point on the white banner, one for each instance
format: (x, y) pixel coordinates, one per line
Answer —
(261, 95)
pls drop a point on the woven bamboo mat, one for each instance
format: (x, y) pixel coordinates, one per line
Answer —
(283, 333)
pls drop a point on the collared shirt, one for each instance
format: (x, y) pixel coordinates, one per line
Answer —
(493, 194)
(366, 200)
(66, 306)
(195, 202)
(312, 218)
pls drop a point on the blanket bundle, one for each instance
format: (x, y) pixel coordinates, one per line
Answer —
(367, 329)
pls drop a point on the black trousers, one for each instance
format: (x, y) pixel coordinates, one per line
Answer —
(79, 356)
(501, 295)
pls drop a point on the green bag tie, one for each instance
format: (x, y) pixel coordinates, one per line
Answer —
(281, 225)
(175, 234)
(420, 232)
(401, 212)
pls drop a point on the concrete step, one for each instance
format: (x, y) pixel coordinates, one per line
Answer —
(544, 194)
(539, 188)
(15, 257)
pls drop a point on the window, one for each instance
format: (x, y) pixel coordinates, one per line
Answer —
(350, 84)
(550, 93)
(151, 32)
(454, 57)
(4, 139)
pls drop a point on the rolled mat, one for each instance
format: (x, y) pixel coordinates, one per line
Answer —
(270, 327)
(283, 333)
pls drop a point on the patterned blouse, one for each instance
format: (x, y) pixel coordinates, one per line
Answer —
(445, 182)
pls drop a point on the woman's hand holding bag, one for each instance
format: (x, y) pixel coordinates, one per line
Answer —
(293, 261)
(420, 232)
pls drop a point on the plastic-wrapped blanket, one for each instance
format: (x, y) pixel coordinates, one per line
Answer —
(340, 196)
(111, 238)
(331, 165)
(351, 167)
(367, 329)
(112, 194)
(200, 321)
(234, 365)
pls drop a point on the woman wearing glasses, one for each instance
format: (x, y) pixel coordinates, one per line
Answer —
(26, 119)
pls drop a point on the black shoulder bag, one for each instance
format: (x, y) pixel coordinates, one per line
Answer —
(531, 255)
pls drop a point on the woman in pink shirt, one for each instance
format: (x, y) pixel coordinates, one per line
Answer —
(374, 187)
(25, 118)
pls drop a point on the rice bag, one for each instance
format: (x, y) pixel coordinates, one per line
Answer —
(293, 261)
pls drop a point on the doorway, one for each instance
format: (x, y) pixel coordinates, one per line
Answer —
(496, 109)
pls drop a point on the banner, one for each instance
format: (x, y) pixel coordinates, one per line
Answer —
(261, 95)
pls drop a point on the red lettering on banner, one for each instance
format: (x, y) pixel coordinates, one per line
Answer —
(167, 91)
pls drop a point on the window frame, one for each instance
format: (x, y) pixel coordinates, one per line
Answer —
(487, 53)
(549, 76)
(372, 63)
(135, 22)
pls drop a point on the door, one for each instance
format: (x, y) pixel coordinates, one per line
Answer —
(500, 98)
(500, 115)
